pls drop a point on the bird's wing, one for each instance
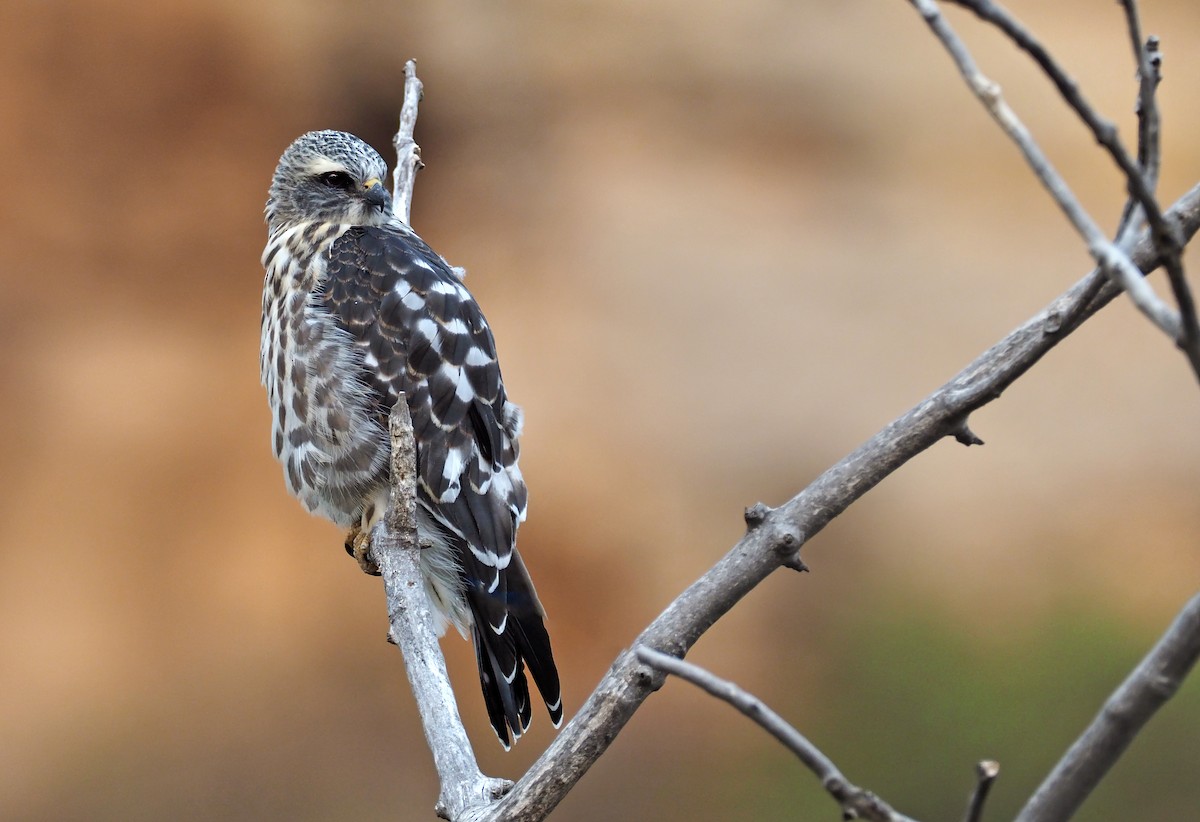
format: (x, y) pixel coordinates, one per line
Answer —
(422, 333)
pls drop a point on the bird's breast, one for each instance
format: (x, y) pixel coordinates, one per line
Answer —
(324, 428)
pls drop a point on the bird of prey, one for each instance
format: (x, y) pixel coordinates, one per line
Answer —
(357, 310)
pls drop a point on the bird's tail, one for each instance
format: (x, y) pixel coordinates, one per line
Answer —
(503, 655)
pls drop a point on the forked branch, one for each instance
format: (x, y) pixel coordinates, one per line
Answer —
(775, 537)
(1180, 326)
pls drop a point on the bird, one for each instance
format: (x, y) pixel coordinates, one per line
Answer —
(358, 311)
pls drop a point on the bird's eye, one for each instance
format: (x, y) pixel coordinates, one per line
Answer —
(337, 179)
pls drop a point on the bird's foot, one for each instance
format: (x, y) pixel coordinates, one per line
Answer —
(358, 545)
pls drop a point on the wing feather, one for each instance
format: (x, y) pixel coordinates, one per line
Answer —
(421, 333)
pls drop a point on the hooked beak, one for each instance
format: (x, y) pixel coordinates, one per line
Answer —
(376, 195)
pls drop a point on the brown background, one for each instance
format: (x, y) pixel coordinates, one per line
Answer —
(721, 244)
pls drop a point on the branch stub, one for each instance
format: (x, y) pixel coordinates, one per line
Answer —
(756, 514)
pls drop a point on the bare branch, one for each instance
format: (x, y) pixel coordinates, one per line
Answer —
(1151, 684)
(855, 802)
(1105, 132)
(774, 536)
(1107, 255)
(1141, 185)
(408, 153)
(985, 774)
(1149, 65)
(396, 551)
(773, 540)
(1149, 62)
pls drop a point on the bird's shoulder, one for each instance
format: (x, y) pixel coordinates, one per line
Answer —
(387, 276)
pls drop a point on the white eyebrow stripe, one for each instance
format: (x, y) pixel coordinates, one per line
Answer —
(323, 165)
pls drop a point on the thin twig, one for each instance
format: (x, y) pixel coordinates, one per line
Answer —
(1149, 63)
(1182, 328)
(855, 802)
(985, 774)
(408, 153)
(775, 535)
(1152, 682)
(1104, 131)
(1133, 219)
(1149, 69)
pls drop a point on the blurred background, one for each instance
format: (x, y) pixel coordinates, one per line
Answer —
(721, 244)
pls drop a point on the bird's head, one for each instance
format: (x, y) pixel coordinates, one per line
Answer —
(329, 176)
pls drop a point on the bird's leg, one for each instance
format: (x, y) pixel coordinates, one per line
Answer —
(358, 545)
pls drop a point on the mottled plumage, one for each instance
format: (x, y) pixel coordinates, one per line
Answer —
(357, 309)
